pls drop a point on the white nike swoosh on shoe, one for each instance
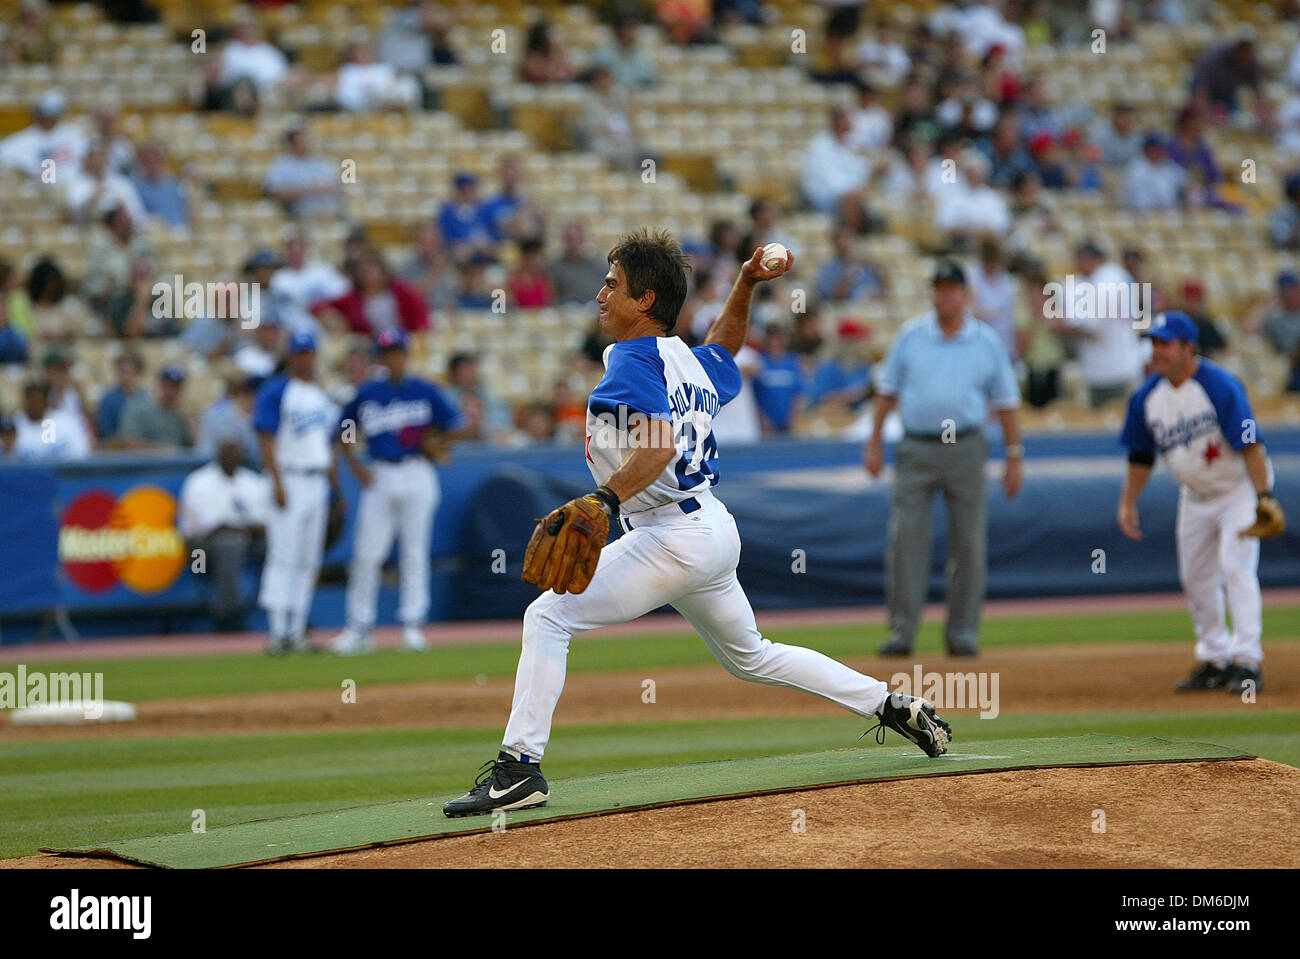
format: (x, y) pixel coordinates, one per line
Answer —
(493, 794)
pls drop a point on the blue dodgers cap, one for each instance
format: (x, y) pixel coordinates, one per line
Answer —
(394, 339)
(172, 374)
(302, 341)
(1174, 325)
(1287, 279)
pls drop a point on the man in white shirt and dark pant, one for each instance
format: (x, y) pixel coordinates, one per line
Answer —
(222, 507)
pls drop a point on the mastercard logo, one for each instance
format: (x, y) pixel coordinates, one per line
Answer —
(130, 539)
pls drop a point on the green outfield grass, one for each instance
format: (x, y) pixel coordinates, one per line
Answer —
(76, 792)
(142, 680)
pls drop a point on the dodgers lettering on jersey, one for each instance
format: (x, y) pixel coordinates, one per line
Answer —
(301, 416)
(660, 378)
(394, 417)
(1198, 427)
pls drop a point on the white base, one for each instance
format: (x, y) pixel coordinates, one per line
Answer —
(75, 712)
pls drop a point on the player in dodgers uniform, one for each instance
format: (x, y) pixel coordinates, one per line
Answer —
(1196, 415)
(400, 417)
(295, 421)
(650, 446)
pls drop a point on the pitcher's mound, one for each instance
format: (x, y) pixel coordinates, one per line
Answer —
(1182, 815)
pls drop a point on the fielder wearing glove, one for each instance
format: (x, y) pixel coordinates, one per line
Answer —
(1269, 518)
(565, 547)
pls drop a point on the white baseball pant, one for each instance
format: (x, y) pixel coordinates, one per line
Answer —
(399, 502)
(1213, 561)
(689, 561)
(295, 542)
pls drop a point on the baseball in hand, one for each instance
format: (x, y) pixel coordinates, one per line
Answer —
(774, 256)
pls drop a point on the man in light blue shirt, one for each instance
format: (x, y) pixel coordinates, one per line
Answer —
(943, 372)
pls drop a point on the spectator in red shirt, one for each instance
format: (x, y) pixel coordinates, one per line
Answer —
(378, 301)
(529, 285)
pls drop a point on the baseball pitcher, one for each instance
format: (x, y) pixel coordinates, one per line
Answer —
(652, 454)
(1196, 415)
(406, 423)
(295, 421)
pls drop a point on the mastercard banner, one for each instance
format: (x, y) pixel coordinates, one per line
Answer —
(106, 539)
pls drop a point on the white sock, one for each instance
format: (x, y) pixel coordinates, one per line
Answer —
(278, 622)
(297, 622)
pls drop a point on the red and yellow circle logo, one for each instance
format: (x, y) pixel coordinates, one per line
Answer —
(131, 539)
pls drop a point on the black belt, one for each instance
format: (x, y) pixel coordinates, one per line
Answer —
(941, 437)
(688, 506)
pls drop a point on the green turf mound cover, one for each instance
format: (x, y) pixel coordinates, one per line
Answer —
(267, 840)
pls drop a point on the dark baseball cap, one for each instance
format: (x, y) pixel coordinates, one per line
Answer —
(394, 339)
(1288, 278)
(948, 271)
(260, 259)
(1174, 325)
(172, 374)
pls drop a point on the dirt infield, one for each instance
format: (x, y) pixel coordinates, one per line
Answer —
(1183, 815)
(1102, 678)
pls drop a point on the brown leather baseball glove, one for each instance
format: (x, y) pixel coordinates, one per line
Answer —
(1269, 519)
(433, 444)
(565, 547)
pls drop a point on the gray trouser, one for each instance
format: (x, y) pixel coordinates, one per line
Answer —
(922, 468)
(227, 549)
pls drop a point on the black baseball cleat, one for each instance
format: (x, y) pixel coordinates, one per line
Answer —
(914, 719)
(1204, 676)
(1236, 677)
(503, 783)
(895, 647)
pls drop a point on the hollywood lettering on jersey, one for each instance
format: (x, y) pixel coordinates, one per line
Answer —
(1104, 301)
(691, 406)
(218, 301)
(132, 539)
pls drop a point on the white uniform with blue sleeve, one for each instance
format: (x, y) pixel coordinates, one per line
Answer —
(1199, 428)
(403, 497)
(679, 544)
(302, 418)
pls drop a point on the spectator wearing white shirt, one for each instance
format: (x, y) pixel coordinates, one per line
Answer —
(117, 145)
(222, 506)
(1288, 119)
(48, 138)
(993, 296)
(307, 283)
(94, 189)
(365, 84)
(246, 56)
(982, 26)
(871, 125)
(882, 58)
(45, 435)
(1102, 314)
(1118, 139)
(974, 211)
(835, 174)
(1152, 181)
(305, 183)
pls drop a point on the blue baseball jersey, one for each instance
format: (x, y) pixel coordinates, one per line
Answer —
(395, 416)
(301, 417)
(1198, 427)
(660, 378)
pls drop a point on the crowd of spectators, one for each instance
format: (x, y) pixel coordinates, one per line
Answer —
(985, 144)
